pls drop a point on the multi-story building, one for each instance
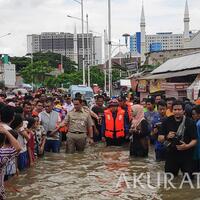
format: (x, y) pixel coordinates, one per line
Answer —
(142, 43)
(157, 42)
(67, 44)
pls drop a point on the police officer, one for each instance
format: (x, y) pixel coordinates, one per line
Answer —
(79, 125)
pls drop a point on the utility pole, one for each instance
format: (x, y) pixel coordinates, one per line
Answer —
(120, 60)
(83, 45)
(109, 51)
(88, 53)
(105, 59)
(32, 62)
(61, 63)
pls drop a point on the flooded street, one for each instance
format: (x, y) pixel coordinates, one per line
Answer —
(92, 175)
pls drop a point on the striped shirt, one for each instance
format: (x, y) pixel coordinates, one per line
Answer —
(6, 154)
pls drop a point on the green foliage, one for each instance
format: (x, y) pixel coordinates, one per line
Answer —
(36, 73)
(76, 77)
(115, 75)
(97, 76)
(53, 59)
(20, 62)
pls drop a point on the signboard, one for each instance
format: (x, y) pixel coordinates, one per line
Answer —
(155, 47)
(155, 86)
(9, 75)
(134, 84)
(125, 82)
(142, 86)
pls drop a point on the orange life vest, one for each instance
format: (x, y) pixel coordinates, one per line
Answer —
(118, 123)
(129, 104)
(63, 129)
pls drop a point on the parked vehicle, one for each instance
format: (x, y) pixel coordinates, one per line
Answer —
(86, 92)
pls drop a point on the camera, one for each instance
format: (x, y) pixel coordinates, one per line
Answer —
(177, 140)
(158, 126)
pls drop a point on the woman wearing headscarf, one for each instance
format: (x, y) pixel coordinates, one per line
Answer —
(139, 133)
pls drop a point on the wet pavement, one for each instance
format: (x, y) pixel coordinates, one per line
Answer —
(100, 173)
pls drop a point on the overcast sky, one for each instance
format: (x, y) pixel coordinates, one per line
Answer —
(22, 17)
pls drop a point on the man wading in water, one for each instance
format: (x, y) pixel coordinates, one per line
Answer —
(180, 136)
(80, 128)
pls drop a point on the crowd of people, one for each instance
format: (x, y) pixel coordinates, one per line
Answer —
(33, 124)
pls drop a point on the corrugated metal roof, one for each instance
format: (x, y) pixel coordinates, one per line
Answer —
(179, 64)
(171, 74)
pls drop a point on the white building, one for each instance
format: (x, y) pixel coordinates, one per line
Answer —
(97, 46)
(164, 40)
(67, 44)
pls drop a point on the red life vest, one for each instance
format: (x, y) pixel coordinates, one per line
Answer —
(129, 104)
(118, 123)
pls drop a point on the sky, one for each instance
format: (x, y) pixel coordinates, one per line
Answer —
(23, 17)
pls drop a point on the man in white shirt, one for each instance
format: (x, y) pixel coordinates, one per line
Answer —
(68, 105)
(50, 120)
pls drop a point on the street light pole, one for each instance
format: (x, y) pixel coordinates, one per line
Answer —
(109, 51)
(92, 51)
(83, 45)
(105, 60)
(61, 63)
(32, 63)
(120, 59)
(88, 53)
(5, 35)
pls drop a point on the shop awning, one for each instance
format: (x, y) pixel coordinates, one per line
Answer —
(171, 74)
(187, 62)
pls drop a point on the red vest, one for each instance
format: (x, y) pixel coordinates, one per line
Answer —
(129, 104)
(118, 123)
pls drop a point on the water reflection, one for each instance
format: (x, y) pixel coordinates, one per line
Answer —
(93, 175)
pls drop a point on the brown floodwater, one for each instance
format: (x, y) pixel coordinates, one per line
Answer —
(95, 175)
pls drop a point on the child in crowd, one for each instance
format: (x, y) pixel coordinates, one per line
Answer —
(19, 125)
(31, 141)
(40, 137)
(6, 154)
(11, 167)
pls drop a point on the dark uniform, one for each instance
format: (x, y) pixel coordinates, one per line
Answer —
(175, 159)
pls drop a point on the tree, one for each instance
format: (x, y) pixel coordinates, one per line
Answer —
(97, 76)
(20, 62)
(36, 73)
(53, 60)
(76, 78)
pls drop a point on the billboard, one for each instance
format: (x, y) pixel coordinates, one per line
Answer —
(156, 46)
(9, 74)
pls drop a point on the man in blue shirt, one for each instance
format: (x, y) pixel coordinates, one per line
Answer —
(156, 124)
(150, 114)
(197, 147)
